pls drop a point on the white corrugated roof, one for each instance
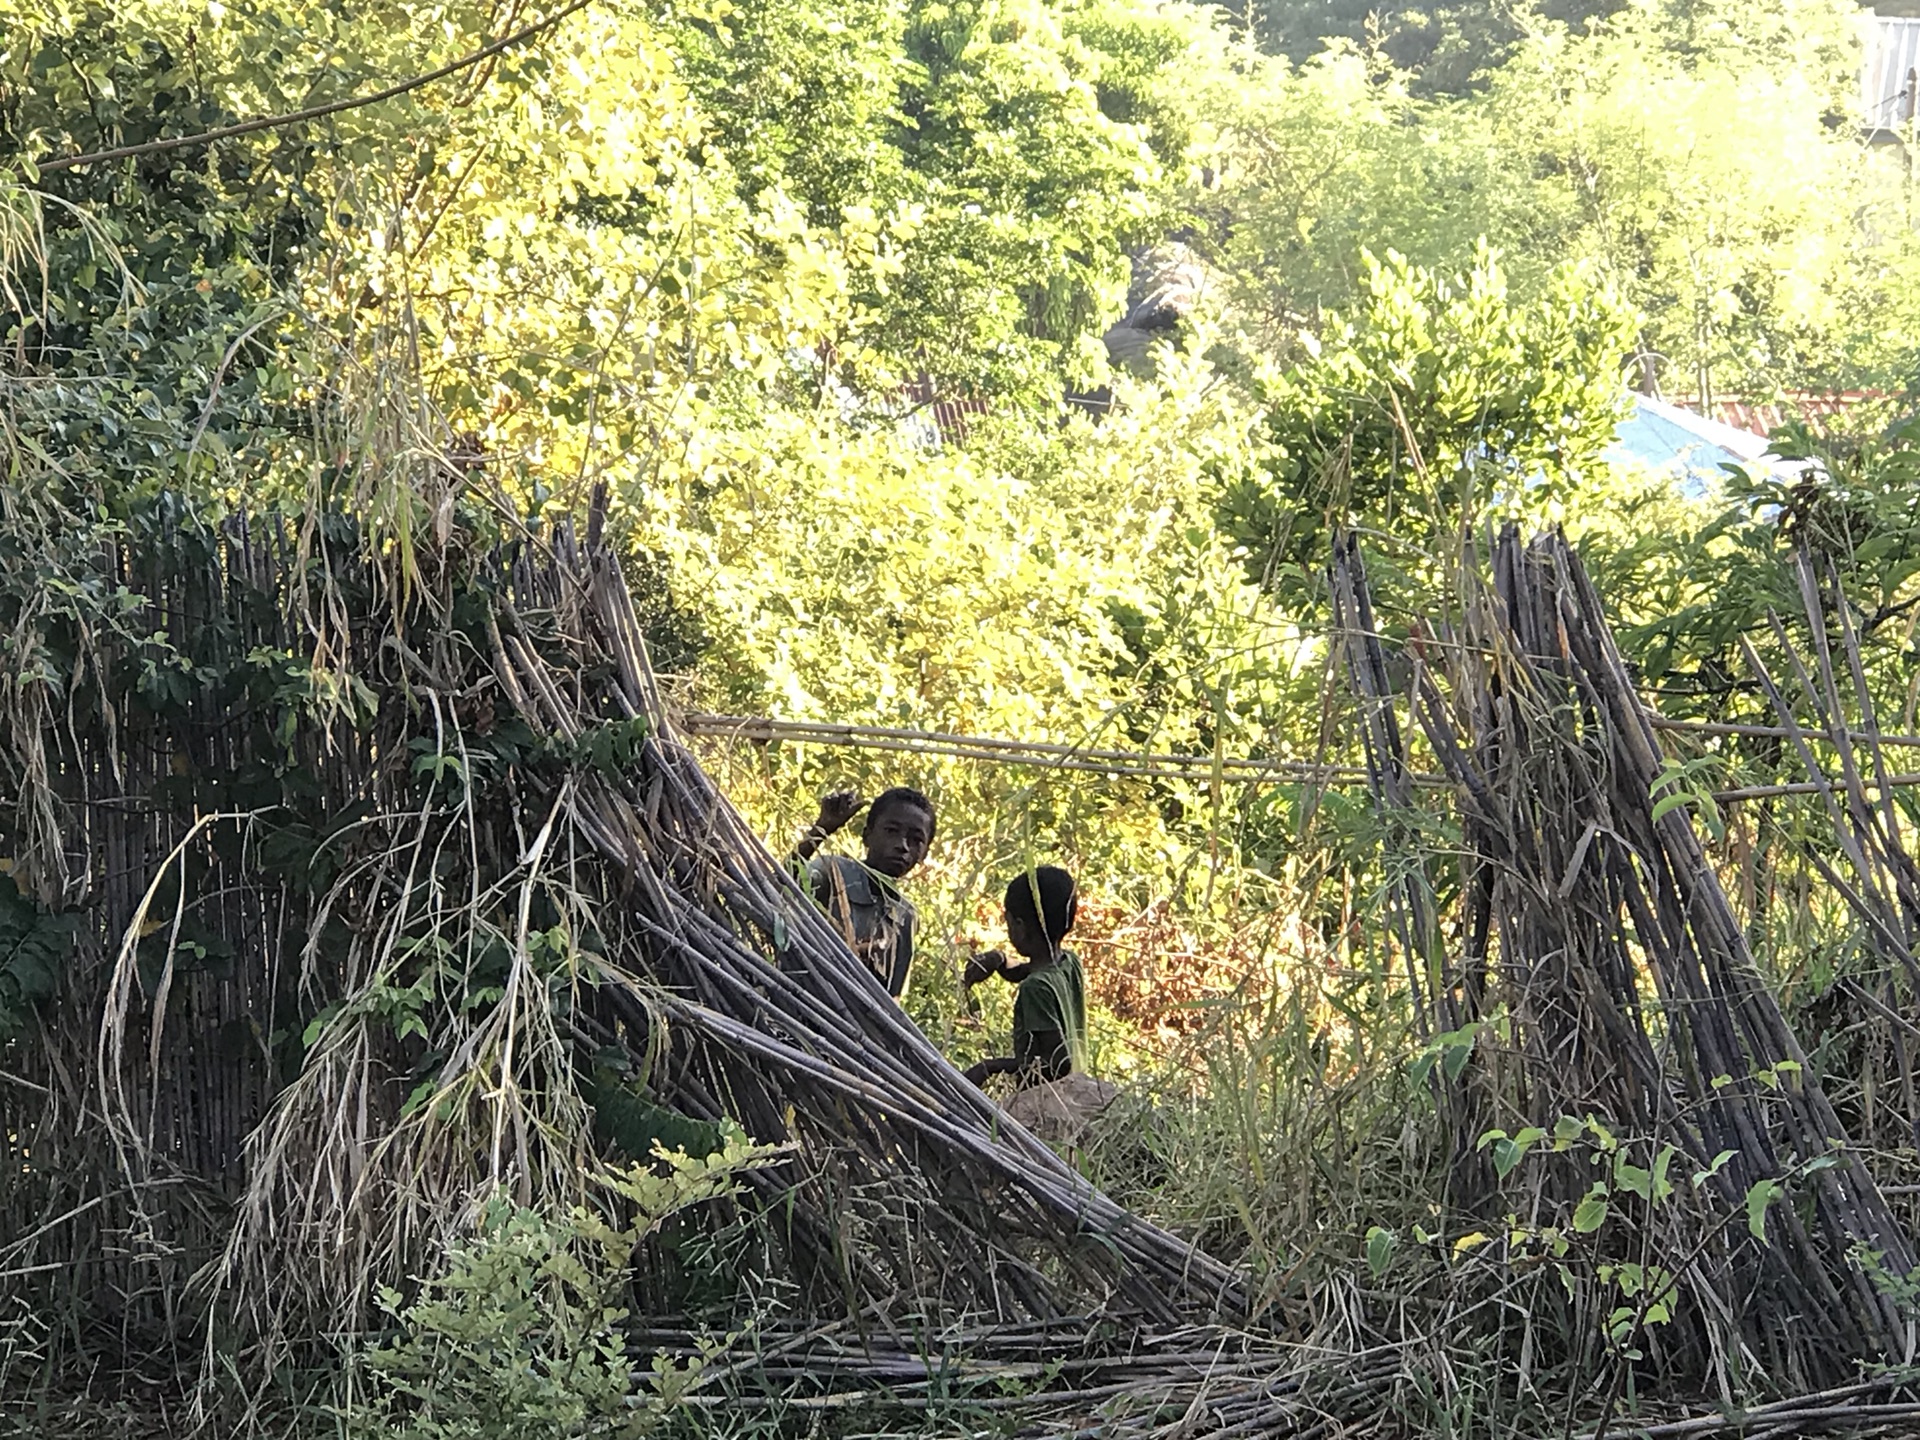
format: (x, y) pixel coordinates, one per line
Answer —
(1893, 52)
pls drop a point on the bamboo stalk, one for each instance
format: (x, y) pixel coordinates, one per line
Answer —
(1557, 797)
(1191, 768)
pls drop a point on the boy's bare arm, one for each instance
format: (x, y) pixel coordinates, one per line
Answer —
(836, 809)
(994, 962)
(1038, 1055)
(979, 1074)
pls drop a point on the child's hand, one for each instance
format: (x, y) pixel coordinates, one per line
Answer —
(979, 967)
(837, 808)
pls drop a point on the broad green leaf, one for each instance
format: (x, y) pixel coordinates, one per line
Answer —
(1380, 1247)
(1662, 1187)
(1700, 1177)
(1591, 1213)
(1762, 1194)
(1620, 1323)
(1670, 803)
(1634, 1179)
(1456, 1057)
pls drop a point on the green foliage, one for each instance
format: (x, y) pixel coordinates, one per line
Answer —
(523, 1333)
(1738, 222)
(1681, 785)
(1697, 153)
(1444, 45)
(1007, 151)
(1324, 163)
(1003, 123)
(1442, 403)
(159, 304)
(802, 99)
(35, 950)
(1448, 46)
(1708, 574)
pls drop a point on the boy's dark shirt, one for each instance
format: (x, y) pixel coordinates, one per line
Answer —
(875, 919)
(1052, 1000)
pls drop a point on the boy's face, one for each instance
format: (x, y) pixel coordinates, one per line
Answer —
(897, 839)
(1026, 937)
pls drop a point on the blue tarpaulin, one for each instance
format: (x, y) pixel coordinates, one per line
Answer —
(1689, 447)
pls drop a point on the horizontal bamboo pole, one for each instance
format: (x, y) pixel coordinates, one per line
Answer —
(1808, 787)
(755, 726)
(1146, 764)
(1775, 732)
(1036, 753)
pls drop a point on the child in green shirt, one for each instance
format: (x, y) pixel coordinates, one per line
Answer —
(1050, 1007)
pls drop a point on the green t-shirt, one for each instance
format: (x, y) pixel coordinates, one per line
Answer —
(1053, 998)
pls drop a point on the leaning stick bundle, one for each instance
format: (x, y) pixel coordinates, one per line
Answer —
(1597, 929)
(697, 969)
(778, 1019)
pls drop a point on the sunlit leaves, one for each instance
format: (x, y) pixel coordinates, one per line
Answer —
(1444, 399)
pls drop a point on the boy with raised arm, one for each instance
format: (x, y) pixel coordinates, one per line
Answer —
(863, 900)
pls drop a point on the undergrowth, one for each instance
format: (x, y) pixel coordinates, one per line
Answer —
(524, 1329)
